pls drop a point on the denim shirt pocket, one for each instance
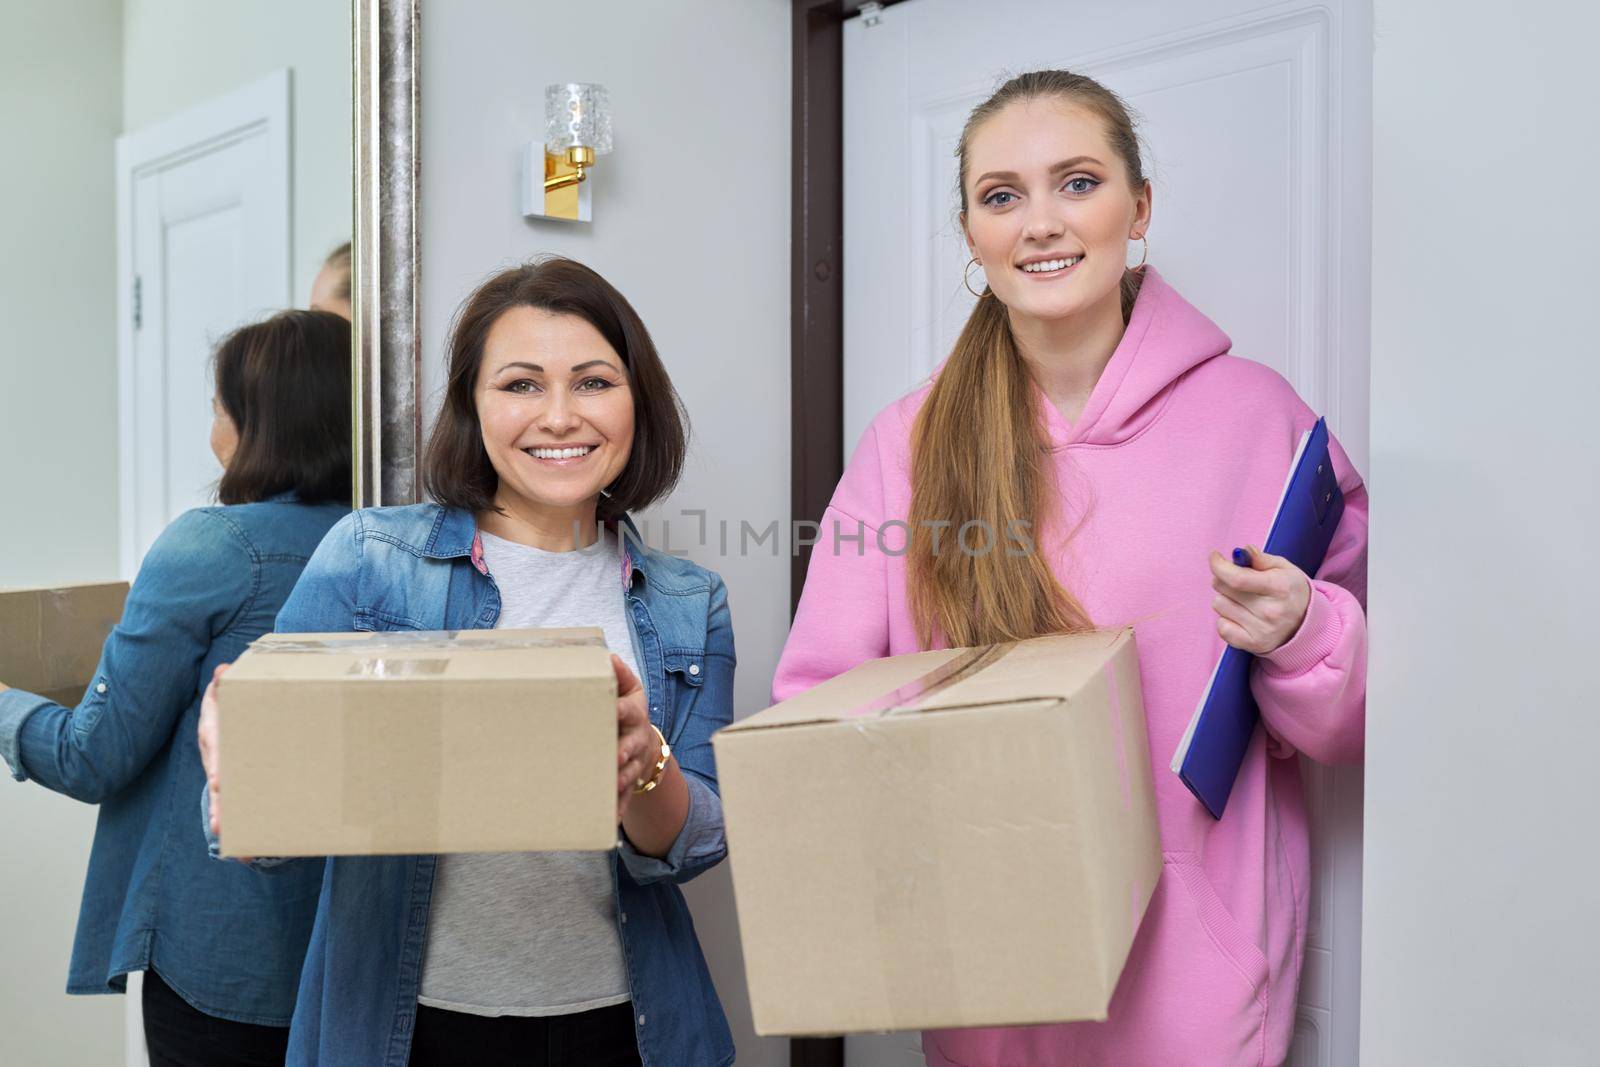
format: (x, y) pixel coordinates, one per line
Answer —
(686, 673)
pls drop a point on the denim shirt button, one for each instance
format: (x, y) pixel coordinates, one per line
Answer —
(641, 1019)
(101, 688)
(624, 918)
(694, 668)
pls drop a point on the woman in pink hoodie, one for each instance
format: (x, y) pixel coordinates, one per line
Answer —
(1099, 406)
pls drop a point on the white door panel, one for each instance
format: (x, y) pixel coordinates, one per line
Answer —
(1256, 121)
(204, 222)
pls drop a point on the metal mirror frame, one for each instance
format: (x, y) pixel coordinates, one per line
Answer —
(386, 342)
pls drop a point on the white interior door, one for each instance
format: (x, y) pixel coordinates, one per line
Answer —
(204, 231)
(1257, 124)
(203, 246)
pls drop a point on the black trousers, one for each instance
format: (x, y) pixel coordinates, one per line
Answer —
(177, 1034)
(599, 1038)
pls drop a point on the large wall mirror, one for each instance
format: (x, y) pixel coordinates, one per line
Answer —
(174, 169)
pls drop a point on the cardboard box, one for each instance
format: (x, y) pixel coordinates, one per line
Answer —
(50, 638)
(948, 839)
(410, 743)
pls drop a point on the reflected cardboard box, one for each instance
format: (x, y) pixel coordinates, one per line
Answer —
(51, 638)
(948, 839)
(417, 742)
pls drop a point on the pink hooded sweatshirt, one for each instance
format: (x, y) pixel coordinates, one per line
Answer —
(1181, 449)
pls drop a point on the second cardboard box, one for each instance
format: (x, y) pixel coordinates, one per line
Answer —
(947, 839)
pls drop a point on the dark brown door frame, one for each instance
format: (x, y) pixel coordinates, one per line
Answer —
(816, 310)
(816, 353)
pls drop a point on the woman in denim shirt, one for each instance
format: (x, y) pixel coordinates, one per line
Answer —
(221, 947)
(558, 420)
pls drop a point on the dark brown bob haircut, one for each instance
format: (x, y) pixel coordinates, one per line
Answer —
(285, 383)
(456, 469)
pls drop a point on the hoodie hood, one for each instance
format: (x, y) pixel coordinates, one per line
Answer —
(1166, 338)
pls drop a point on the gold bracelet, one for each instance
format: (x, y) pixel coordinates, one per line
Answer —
(641, 786)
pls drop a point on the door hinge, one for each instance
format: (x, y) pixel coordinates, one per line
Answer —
(138, 302)
(871, 13)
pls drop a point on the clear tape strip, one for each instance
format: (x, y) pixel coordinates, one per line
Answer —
(942, 677)
(427, 641)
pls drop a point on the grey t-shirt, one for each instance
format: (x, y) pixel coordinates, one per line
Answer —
(534, 933)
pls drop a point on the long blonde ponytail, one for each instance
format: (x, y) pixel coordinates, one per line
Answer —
(986, 481)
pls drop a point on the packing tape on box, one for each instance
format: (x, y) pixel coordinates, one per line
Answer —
(397, 667)
(405, 652)
(415, 804)
(427, 641)
(75, 664)
(911, 886)
(909, 896)
(925, 685)
(912, 915)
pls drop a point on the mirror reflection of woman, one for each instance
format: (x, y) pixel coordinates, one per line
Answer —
(330, 289)
(220, 948)
(558, 420)
(1096, 403)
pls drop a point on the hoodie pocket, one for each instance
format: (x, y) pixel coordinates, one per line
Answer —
(1231, 942)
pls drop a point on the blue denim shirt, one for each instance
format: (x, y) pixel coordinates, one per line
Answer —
(421, 568)
(230, 942)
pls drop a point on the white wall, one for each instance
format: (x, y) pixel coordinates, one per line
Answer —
(1482, 922)
(691, 223)
(179, 53)
(60, 84)
(60, 75)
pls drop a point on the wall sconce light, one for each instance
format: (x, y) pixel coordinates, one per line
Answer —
(577, 119)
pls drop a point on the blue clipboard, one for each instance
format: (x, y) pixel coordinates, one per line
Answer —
(1213, 747)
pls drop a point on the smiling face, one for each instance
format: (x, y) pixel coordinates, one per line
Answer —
(1050, 208)
(555, 407)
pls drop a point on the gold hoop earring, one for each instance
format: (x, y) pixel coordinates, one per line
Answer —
(966, 279)
(1146, 253)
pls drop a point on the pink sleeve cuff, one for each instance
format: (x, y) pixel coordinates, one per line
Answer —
(1316, 639)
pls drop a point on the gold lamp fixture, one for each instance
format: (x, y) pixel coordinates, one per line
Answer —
(577, 130)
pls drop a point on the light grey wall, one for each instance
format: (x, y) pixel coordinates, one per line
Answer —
(60, 89)
(60, 75)
(691, 222)
(180, 53)
(1482, 922)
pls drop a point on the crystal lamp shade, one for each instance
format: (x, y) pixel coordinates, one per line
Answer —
(577, 115)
